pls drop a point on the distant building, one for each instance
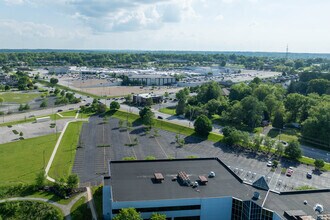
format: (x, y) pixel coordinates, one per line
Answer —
(59, 70)
(203, 189)
(141, 99)
(153, 80)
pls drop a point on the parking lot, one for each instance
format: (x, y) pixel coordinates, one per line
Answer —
(102, 141)
(30, 130)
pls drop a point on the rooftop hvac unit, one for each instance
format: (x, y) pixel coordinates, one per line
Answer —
(318, 208)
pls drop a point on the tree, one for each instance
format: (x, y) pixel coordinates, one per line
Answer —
(317, 125)
(257, 140)
(212, 106)
(149, 102)
(182, 94)
(26, 107)
(40, 179)
(72, 181)
(53, 81)
(208, 91)
(253, 111)
(101, 108)
(278, 121)
(271, 104)
(147, 116)
(293, 150)
(180, 108)
(320, 86)
(114, 105)
(269, 143)
(239, 91)
(166, 94)
(128, 98)
(1, 101)
(223, 63)
(158, 216)
(7, 87)
(62, 93)
(43, 104)
(21, 134)
(319, 163)
(128, 214)
(21, 107)
(293, 105)
(56, 91)
(279, 149)
(203, 125)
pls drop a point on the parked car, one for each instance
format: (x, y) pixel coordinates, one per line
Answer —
(309, 175)
(160, 117)
(60, 110)
(289, 171)
(71, 108)
(269, 164)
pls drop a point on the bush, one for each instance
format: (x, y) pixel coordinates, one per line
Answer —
(203, 125)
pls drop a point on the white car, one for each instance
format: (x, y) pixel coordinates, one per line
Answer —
(269, 163)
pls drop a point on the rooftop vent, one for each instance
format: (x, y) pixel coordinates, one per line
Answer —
(203, 180)
(212, 174)
(256, 195)
(318, 208)
(158, 177)
(183, 177)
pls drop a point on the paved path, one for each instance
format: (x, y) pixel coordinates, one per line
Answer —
(66, 209)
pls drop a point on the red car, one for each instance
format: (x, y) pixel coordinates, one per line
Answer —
(289, 171)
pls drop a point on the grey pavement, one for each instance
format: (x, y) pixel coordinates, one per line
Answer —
(91, 159)
(31, 129)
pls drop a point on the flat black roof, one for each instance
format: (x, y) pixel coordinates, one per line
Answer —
(133, 180)
(295, 201)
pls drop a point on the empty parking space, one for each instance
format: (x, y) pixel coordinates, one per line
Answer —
(102, 140)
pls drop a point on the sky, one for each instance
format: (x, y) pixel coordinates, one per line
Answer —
(194, 25)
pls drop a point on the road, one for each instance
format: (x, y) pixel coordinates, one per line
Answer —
(37, 113)
(307, 151)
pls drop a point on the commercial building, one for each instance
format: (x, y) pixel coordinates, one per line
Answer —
(141, 99)
(201, 189)
(153, 80)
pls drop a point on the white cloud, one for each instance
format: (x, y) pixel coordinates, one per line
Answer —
(130, 15)
(37, 30)
(219, 17)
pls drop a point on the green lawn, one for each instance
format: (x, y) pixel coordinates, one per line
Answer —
(21, 160)
(286, 135)
(69, 113)
(80, 210)
(52, 117)
(97, 196)
(17, 97)
(164, 125)
(66, 152)
(167, 110)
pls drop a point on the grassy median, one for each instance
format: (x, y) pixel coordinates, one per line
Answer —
(65, 155)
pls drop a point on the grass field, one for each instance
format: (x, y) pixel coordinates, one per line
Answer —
(80, 210)
(69, 113)
(20, 98)
(170, 111)
(52, 117)
(66, 152)
(164, 125)
(21, 160)
(285, 135)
